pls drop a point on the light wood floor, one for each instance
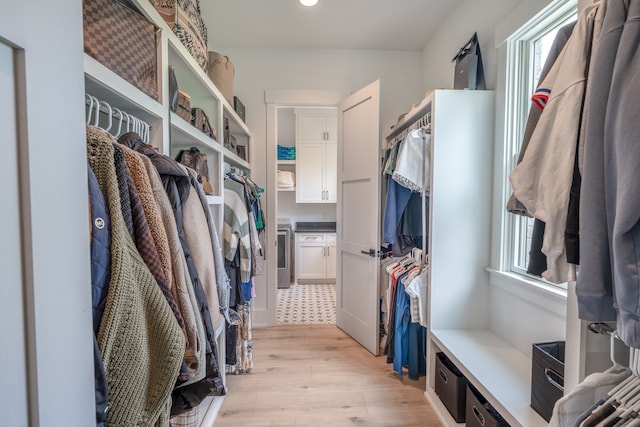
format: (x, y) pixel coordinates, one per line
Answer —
(318, 376)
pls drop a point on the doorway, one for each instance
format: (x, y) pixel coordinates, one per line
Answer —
(306, 214)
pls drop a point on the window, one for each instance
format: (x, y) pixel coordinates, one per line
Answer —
(526, 55)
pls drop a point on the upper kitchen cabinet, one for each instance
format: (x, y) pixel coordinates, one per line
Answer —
(316, 155)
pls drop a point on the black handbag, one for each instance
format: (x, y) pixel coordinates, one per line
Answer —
(469, 71)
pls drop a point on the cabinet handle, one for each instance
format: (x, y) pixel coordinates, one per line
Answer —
(443, 376)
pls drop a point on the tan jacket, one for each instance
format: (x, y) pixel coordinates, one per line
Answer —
(182, 290)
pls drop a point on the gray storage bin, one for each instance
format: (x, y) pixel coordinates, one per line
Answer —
(450, 386)
(480, 413)
(547, 376)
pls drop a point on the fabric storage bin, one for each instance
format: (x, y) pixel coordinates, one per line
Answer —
(480, 413)
(547, 376)
(185, 20)
(451, 387)
(221, 72)
(123, 41)
(184, 106)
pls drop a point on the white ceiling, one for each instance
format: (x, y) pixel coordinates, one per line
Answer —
(331, 24)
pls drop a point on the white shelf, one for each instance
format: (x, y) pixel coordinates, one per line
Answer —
(236, 124)
(286, 162)
(215, 200)
(287, 189)
(209, 409)
(107, 86)
(185, 134)
(500, 372)
(234, 159)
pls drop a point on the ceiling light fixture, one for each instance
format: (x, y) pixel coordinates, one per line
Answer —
(308, 2)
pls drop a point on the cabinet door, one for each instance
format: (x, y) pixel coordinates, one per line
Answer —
(331, 256)
(310, 129)
(331, 173)
(310, 256)
(310, 173)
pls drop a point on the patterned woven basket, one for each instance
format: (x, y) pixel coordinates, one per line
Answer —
(123, 41)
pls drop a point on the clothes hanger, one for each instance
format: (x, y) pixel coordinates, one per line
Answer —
(89, 99)
(96, 114)
(147, 128)
(631, 385)
(119, 113)
(109, 114)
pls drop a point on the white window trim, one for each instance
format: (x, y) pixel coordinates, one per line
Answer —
(509, 38)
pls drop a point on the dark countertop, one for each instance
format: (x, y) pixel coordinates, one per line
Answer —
(315, 227)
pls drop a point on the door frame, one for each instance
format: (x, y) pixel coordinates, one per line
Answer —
(275, 99)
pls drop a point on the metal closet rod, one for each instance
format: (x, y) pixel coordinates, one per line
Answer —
(423, 122)
(133, 123)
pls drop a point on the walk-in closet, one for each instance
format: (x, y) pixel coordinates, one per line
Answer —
(316, 212)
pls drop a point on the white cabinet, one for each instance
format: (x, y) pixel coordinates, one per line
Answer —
(315, 257)
(316, 155)
(170, 133)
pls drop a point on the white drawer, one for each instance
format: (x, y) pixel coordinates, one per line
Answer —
(310, 237)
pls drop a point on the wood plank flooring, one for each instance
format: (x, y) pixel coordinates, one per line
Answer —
(318, 376)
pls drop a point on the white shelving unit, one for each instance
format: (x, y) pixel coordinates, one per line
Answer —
(170, 133)
(290, 166)
(458, 293)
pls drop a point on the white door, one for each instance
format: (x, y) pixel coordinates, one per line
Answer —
(358, 235)
(13, 369)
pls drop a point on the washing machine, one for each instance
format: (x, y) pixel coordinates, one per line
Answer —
(284, 253)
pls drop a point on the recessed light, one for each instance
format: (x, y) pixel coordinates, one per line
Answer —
(308, 2)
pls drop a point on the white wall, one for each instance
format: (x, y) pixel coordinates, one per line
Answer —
(56, 282)
(469, 17)
(343, 71)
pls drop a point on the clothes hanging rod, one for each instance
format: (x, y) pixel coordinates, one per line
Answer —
(133, 123)
(116, 113)
(411, 118)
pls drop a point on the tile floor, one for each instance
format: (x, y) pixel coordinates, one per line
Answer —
(308, 304)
